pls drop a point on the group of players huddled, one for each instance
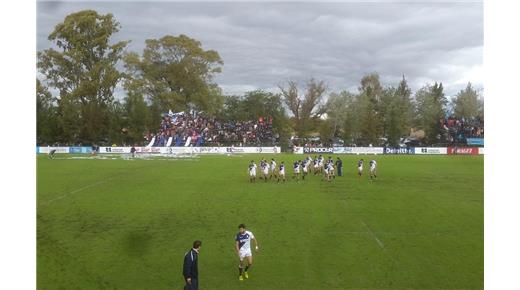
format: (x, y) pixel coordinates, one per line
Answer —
(318, 166)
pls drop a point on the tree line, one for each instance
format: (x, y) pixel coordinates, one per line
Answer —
(84, 68)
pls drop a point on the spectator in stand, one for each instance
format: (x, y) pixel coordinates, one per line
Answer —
(456, 130)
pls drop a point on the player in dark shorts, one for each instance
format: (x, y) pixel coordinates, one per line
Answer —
(51, 153)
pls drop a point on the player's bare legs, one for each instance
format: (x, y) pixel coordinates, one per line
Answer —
(248, 266)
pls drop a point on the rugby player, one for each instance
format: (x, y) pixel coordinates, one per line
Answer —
(373, 169)
(243, 248)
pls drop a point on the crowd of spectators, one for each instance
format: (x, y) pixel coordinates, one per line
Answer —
(457, 130)
(200, 130)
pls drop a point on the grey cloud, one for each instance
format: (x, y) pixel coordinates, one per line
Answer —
(264, 44)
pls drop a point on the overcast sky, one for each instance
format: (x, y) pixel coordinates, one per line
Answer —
(264, 44)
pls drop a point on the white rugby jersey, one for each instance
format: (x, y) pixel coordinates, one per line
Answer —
(244, 240)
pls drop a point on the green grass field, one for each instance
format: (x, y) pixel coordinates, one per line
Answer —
(126, 224)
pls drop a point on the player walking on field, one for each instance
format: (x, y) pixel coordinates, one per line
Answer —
(252, 171)
(281, 172)
(273, 169)
(296, 170)
(373, 169)
(265, 169)
(360, 167)
(243, 248)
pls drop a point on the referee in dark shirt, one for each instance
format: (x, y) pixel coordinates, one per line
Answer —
(339, 166)
(190, 269)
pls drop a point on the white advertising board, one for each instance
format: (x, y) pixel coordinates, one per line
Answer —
(358, 150)
(58, 149)
(114, 149)
(193, 150)
(297, 150)
(431, 150)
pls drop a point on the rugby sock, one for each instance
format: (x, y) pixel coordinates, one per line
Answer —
(240, 270)
(245, 270)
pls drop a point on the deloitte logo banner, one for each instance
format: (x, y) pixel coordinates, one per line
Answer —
(407, 150)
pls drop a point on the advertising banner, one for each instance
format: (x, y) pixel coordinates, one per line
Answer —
(47, 149)
(475, 141)
(75, 150)
(481, 150)
(297, 150)
(398, 150)
(431, 150)
(358, 150)
(248, 150)
(114, 149)
(310, 150)
(463, 150)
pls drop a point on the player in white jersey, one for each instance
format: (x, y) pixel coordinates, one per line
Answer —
(326, 172)
(252, 171)
(243, 248)
(265, 170)
(305, 166)
(315, 165)
(331, 168)
(281, 172)
(296, 170)
(320, 164)
(360, 167)
(373, 169)
(273, 168)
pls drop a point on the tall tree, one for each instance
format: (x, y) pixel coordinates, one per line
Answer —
(304, 108)
(176, 73)
(84, 72)
(337, 110)
(398, 112)
(370, 106)
(466, 103)
(431, 108)
(46, 117)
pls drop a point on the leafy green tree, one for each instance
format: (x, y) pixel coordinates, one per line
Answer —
(338, 109)
(137, 113)
(83, 71)
(466, 103)
(176, 73)
(350, 127)
(306, 108)
(117, 124)
(370, 106)
(430, 109)
(398, 112)
(47, 129)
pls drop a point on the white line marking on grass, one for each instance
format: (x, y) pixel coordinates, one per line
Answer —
(374, 235)
(77, 190)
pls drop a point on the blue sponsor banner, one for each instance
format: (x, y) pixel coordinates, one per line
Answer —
(75, 150)
(86, 149)
(475, 141)
(405, 150)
